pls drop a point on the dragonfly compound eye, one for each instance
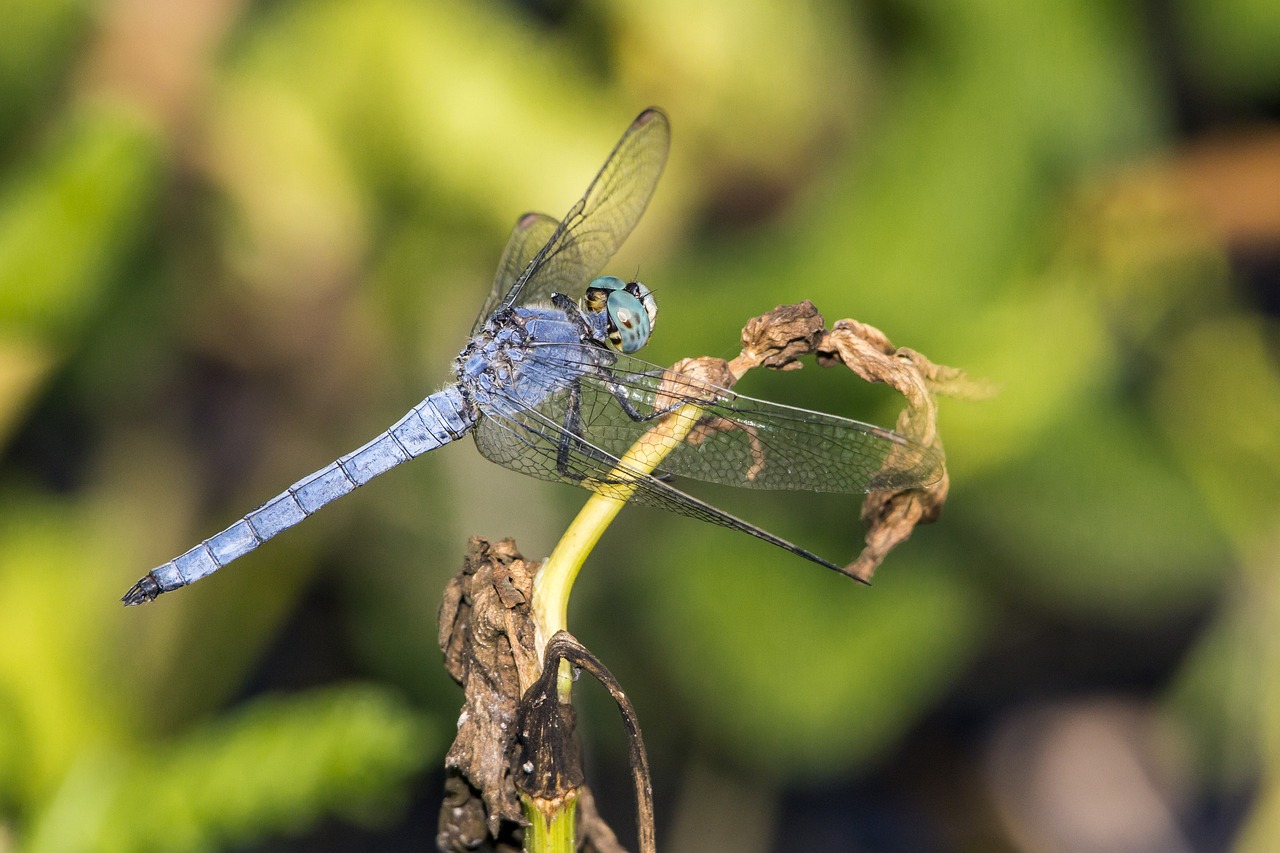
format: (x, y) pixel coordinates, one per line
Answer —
(630, 322)
(596, 298)
(645, 295)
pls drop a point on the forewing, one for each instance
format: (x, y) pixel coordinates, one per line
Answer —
(745, 442)
(531, 232)
(601, 220)
(532, 441)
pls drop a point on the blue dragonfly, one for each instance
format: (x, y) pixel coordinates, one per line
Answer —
(547, 386)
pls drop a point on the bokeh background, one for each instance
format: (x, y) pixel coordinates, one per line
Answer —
(238, 239)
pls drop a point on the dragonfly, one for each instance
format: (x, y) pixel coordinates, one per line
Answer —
(547, 384)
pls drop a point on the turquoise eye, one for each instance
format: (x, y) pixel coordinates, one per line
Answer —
(629, 307)
(597, 297)
(628, 322)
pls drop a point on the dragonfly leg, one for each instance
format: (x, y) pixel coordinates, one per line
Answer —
(571, 439)
(572, 432)
(632, 412)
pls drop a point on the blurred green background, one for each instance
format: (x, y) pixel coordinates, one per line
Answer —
(239, 239)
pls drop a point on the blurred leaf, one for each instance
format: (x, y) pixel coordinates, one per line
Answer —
(301, 218)
(273, 767)
(1228, 699)
(1220, 415)
(420, 142)
(53, 660)
(1138, 245)
(983, 138)
(1096, 519)
(1222, 692)
(22, 367)
(1232, 43)
(769, 82)
(796, 673)
(36, 41)
(67, 222)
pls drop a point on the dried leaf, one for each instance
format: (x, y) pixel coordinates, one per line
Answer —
(551, 770)
(775, 340)
(892, 516)
(487, 636)
(513, 730)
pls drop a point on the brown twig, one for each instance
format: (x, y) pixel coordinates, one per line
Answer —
(487, 635)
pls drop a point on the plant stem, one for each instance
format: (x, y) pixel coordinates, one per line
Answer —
(550, 833)
(555, 832)
(554, 582)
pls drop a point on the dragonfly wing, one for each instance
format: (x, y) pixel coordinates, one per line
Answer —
(531, 232)
(597, 225)
(742, 441)
(533, 441)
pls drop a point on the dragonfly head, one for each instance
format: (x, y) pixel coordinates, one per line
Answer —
(629, 308)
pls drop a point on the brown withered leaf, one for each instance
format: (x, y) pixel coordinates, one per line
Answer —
(487, 635)
(777, 340)
(513, 731)
(891, 516)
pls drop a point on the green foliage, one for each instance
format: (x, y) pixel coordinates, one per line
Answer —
(272, 767)
(1233, 44)
(804, 679)
(37, 42)
(68, 221)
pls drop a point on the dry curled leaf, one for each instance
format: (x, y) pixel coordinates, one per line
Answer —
(487, 636)
(891, 516)
(512, 729)
(777, 339)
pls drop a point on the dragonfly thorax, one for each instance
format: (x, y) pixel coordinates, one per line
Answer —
(628, 308)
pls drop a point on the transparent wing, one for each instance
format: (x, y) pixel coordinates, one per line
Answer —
(531, 232)
(581, 244)
(739, 441)
(533, 441)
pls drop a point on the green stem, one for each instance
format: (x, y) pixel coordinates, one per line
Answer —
(554, 582)
(553, 833)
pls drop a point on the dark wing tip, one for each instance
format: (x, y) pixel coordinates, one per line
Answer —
(924, 470)
(142, 592)
(649, 115)
(934, 465)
